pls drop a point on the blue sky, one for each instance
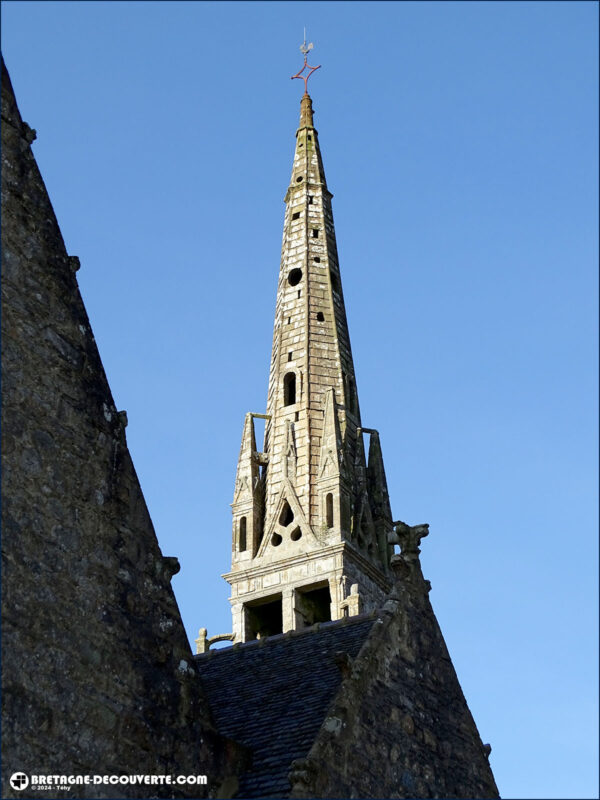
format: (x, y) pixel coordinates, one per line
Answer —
(460, 141)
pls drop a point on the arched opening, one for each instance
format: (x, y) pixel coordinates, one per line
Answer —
(242, 535)
(329, 510)
(289, 389)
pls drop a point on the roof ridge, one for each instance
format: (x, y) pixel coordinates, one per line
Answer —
(278, 637)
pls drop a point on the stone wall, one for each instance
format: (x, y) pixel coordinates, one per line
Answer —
(97, 672)
(400, 726)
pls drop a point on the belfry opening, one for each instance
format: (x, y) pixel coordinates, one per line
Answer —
(263, 618)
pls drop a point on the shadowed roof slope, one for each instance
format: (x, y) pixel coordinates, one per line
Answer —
(272, 695)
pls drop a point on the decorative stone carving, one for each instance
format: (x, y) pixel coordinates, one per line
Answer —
(201, 641)
(171, 566)
(409, 538)
(29, 134)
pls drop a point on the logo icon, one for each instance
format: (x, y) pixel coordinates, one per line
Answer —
(19, 781)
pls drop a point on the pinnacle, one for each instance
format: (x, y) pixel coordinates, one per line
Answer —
(306, 112)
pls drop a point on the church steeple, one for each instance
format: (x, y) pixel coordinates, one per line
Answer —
(313, 519)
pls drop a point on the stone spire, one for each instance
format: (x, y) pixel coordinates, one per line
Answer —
(306, 112)
(312, 518)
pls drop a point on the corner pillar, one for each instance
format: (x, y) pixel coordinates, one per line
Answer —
(237, 613)
(287, 610)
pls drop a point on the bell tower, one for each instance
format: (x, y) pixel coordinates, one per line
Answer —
(311, 514)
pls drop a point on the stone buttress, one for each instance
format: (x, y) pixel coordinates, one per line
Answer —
(311, 517)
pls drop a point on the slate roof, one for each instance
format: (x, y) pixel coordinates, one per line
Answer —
(272, 695)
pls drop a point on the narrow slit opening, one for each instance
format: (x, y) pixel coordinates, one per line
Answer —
(289, 389)
(242, 539)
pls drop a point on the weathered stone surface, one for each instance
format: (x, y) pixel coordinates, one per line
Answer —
(93, 644)
(399, 725)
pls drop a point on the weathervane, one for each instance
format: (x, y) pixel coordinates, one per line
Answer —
(305, 49)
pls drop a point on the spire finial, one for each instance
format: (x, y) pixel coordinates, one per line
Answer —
(305, 49)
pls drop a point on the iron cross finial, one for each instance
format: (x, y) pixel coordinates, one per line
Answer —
(305, 49)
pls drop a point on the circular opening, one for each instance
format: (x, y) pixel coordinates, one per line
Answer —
(320, 316)
(295, 277)
(296, 534)
(276, 540)
(299, 180)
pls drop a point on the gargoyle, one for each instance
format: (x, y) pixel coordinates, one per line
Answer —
(409, 538)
